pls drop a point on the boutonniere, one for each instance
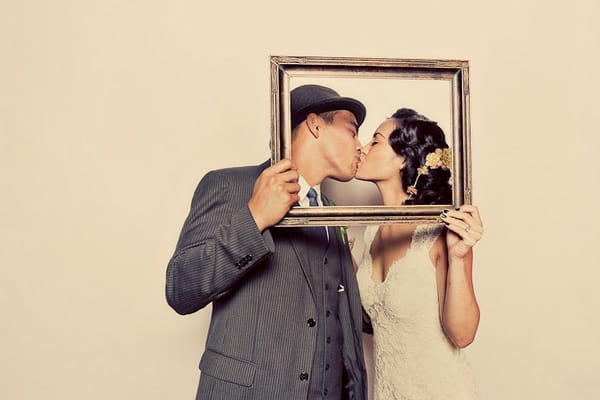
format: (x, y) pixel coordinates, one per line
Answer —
(344, 232)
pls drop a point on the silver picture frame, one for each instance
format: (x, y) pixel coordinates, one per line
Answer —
(414, 78)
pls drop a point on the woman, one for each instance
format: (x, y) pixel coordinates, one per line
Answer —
(415, 280)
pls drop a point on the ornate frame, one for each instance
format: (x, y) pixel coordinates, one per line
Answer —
(455, 72)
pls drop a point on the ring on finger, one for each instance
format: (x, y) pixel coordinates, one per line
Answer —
(468, 228)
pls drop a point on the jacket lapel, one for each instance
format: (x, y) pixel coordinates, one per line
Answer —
(298, 240)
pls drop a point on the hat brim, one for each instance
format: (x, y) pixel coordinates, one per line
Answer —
(339, 103)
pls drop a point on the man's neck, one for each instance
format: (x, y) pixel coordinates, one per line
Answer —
(313, 178)
(308, 165)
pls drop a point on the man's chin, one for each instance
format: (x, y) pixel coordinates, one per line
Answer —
(342, 179)
(346, 177)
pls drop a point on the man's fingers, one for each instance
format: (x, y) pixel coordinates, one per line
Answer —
(292, 188)
(289, 176)
(283, 171)
(294, 199)
(282, 166)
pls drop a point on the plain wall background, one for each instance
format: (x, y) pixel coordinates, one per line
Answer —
(111, 111)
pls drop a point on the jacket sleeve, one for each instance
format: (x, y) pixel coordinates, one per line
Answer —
(218, 245)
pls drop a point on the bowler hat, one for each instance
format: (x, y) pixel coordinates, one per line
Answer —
(317, 99)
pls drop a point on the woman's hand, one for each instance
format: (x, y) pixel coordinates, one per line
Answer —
(465, 229)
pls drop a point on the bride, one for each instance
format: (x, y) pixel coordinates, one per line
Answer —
(416, 280)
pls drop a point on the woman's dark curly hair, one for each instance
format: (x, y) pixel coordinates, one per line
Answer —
(413, 138)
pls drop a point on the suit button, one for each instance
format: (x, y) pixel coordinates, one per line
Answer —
(304, 376)
(328, 339)
(325, 391)
(327, 313)
(311, 322)
(326, 286)
(326, 367)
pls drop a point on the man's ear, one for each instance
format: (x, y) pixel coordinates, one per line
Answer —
(313, 121)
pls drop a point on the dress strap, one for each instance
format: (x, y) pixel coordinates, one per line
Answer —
(369, 235)
(425, 235)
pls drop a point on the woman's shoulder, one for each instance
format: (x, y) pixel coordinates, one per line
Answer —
(426, 234)
(369, 234)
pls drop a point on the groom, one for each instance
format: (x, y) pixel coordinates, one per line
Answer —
(286, 317)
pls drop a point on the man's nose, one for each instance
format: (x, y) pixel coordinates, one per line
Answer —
(363, 149)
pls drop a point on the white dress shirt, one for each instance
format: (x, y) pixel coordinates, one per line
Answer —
(305, 201)
(304, 188)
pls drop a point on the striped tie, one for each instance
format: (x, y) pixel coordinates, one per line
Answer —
(319, 230)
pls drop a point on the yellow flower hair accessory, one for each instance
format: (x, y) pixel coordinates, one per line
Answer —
(440, 158)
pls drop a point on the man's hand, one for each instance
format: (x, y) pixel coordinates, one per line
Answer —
(275, 191)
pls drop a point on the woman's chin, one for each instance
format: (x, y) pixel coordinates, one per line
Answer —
(362, 174)
(361, 177)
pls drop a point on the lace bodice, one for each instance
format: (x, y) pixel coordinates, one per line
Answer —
(414, 359)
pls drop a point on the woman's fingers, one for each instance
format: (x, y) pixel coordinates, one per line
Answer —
(460, 219)
(473, 210)
(469, 233)
(469, 216)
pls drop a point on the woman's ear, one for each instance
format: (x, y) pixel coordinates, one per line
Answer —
(313, 122)
(399, 162)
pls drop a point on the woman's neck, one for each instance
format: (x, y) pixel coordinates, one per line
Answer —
(392, 193)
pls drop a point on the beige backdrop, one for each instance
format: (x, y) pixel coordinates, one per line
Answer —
(111, 111)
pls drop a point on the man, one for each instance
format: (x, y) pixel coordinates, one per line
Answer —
(286, 317)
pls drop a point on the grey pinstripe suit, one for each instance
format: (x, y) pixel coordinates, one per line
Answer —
(258, 342)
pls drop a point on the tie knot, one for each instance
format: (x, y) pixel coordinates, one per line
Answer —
(312, 197)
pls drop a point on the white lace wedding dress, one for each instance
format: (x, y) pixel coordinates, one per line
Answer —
(414, 360)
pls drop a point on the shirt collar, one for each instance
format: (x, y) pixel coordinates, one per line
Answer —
(304, 188)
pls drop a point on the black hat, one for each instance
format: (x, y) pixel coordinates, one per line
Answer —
(318, 99)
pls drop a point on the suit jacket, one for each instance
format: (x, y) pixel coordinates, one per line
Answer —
(259, 345)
